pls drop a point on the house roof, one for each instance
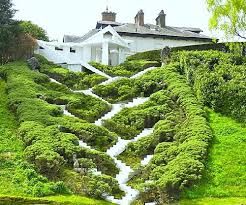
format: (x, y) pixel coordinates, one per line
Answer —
(79, 39)
(130, 29)
(70, 38)
(106, 23)
(157, 31)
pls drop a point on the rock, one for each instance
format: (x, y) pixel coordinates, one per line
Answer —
(166, 55)
(33, 63)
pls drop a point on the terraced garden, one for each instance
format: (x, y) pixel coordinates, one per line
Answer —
(140, 139)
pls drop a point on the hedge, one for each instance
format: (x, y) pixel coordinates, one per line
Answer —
(127, 68)
(48, 145)
(74, 80)
(217, 79)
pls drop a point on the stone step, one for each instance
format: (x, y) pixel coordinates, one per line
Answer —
(146, 160)
(144, 133)
(110, 80)
(142, 72)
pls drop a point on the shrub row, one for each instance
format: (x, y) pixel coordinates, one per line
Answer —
(127, 69)
(127, 89)
(163, 132)
(42, 125)
(101, 185)
(218, 80)
(74, 80)
(154, 55)
(179, 157)
(99, 138)
(103, 162)
(131, 121)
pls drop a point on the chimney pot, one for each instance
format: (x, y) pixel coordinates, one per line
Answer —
(108, 15)
(161, 19)
(139, 18)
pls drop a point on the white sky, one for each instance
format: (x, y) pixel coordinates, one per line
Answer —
(76, 17)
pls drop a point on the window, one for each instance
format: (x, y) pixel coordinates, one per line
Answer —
(58, 49)
(108, 35)
(72, 50)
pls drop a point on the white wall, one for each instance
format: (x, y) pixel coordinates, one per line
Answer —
(75, 67)
(86, 54)
(140, 44)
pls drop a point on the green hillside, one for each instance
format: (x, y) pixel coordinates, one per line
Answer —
(225, 170)
(195, 107)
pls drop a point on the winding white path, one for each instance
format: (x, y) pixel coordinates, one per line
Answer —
(121, 145)
(89, 92)
(142, 72)
(65, 111)
(146, 160)
(55, 81)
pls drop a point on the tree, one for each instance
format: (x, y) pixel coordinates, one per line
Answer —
(14, 43)
(34, 30)
(228, 16)
(6, 12)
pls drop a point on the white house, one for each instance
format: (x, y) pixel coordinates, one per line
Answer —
(111, 42)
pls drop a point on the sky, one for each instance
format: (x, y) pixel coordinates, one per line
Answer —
(76, 17)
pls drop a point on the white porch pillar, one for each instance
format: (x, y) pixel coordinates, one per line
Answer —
(105, 54)
(121, 55)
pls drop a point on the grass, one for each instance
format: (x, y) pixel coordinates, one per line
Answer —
(72, 200)
(11, 149)
(10, 146)
(224, 181)
(214, 201)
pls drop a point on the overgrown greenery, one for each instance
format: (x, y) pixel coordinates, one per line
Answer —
(180, 142)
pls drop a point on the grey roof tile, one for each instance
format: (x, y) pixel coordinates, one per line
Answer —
(156, 30)
(147, 29)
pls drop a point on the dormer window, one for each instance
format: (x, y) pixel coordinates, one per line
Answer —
(108, 35)
(58, 49)
(72, 50)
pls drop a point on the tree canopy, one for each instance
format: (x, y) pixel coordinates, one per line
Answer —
(14, 43)
(6, 12)
(228, 16)
(34, 30)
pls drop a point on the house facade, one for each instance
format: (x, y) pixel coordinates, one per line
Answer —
(111, 42)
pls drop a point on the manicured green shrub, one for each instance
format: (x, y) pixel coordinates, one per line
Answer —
(74, 80)
(154, 55)
(131, 121)
(127, 68)
(183, 137)
(98, 186)
(99, 138)
(217, 79)
(127, 89)
(46, 147)
(35, 184)
(104, 162)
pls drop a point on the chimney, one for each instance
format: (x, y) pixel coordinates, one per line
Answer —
(108, 15)
(161, 19)
(139, 18)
